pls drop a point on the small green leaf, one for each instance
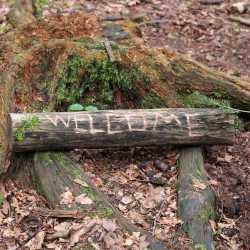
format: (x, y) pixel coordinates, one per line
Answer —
(90, 108)
(76, 107)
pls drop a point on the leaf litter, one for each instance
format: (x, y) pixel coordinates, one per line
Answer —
(206, 33)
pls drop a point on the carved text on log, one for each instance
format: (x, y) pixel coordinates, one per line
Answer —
(85, 123)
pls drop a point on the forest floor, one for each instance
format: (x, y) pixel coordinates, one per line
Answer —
(141, 182)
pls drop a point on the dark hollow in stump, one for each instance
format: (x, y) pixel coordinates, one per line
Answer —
(196, 200)
(119, 128)
(54, 173)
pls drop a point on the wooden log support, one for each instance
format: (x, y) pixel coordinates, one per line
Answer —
(121, 128)
(196, 200)
(54, 173)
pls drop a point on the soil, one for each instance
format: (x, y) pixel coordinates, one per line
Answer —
(134, 178)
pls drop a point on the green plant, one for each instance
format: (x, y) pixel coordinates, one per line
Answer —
(1, 200)
(28, 124)
(96, 81)
(38, 4)
(78, 107)
(198, 100)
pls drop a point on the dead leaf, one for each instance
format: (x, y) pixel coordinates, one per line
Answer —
(62, 230)
(66, 197)
(81, 182)
(83, 199)
(76, 235)
(36, 242)
(198, 184)
(153, 198)
(127, 200)
(109, 225)
(228, 158)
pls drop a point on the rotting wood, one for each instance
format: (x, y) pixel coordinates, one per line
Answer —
(196, 200)
(119, 128)
(53, 173)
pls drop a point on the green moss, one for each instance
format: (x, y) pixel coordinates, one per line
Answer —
(27, 125)
(96, 81)
(38, 6)
(90, 44)
(238, 123)
(1, 200)
(198, 100)
(102, 211)
(151, 101)
(200, 247)
(206, 213)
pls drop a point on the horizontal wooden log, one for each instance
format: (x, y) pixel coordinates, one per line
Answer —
(196, 200)
(54, 173)
(119, 128)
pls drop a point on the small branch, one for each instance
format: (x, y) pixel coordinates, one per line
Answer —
(207, 2)
(157, 216)
(241, 20)
(109, 50)
(58, 213)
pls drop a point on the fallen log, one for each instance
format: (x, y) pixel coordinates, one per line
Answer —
(55, 173)
(119, 128)
(196, 200)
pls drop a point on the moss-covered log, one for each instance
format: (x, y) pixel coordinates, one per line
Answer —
(55, 173)
(196, 200)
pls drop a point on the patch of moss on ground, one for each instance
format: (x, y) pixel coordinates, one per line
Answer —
(152, 101)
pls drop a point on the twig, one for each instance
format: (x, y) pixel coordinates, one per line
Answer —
(109, 50)
(157, 216)
(211, 1)
(58, 213)
(154, 22)
(242, 20)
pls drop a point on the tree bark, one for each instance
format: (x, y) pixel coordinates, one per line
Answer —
(53, 173)
(120, 128)
(196, 200)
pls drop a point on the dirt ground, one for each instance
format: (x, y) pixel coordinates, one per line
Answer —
(141, 182)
